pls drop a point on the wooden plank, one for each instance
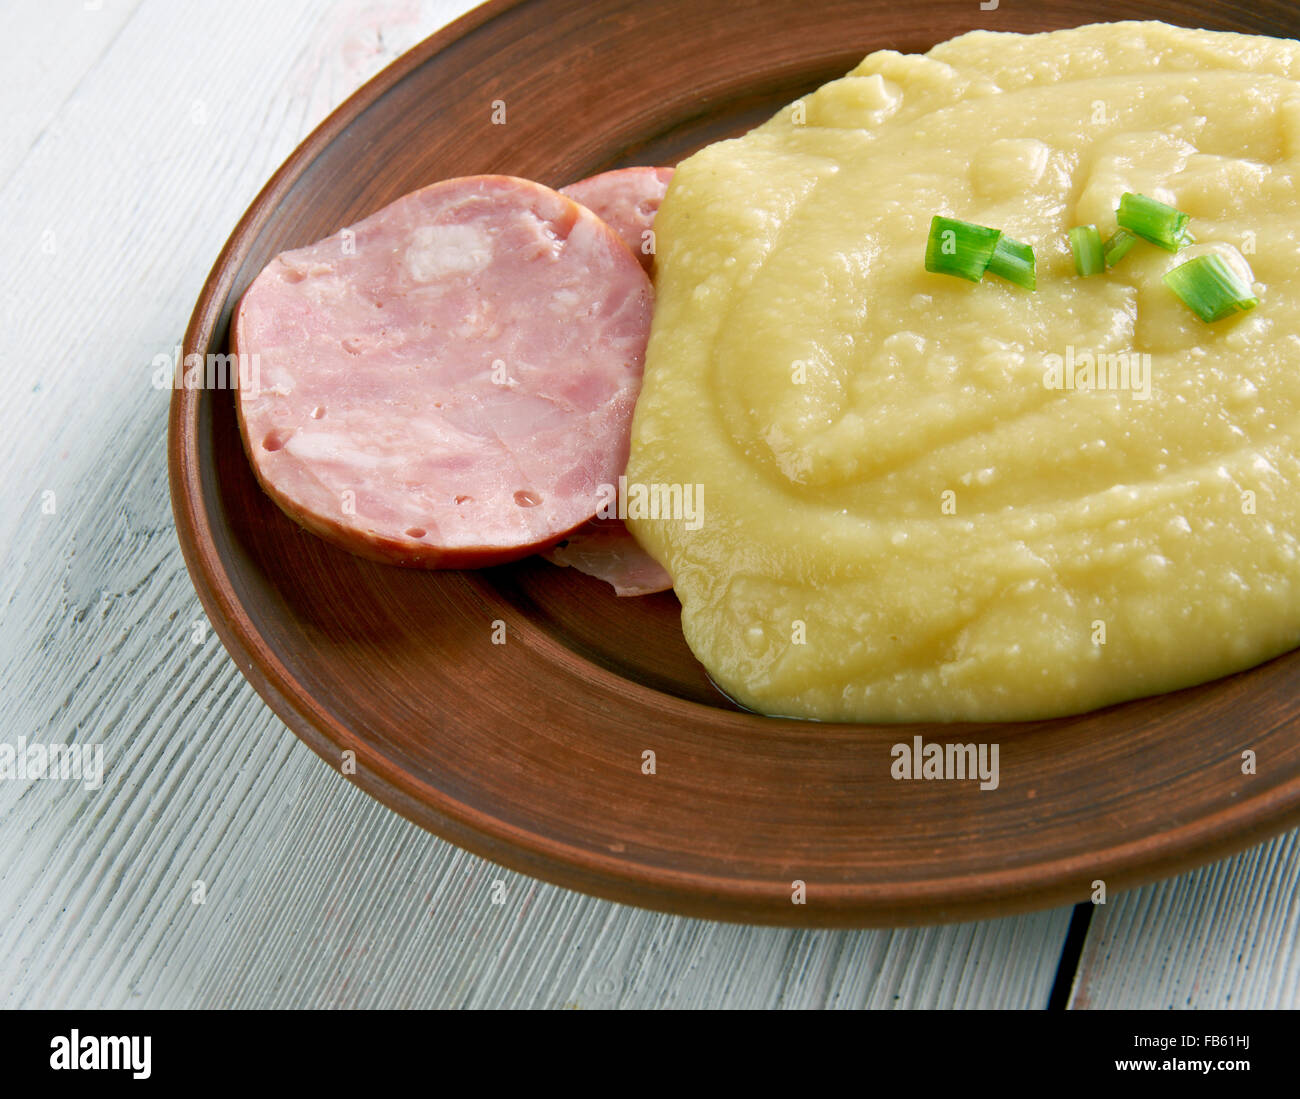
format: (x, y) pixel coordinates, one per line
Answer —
(313, 893)
(52, 46)
(1226, 935)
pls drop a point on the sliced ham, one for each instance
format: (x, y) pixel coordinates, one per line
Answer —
(627, 199)
(450, 382)
(605, 549)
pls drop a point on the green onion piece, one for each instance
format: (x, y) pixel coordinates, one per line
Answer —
(1085, 242)
(1210, 288)
(1014, 262)
(1118, 246)
(960, 248)
(1154, 221)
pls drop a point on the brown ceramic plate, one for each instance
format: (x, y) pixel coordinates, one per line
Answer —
(530, 753)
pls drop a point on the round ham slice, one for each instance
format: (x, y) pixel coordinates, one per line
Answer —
(449, 382)
(627, 200)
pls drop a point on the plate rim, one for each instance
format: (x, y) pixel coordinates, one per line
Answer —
(985, 894)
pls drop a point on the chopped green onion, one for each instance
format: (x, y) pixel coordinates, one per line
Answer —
(1014, 262)
(1154, 221)
(960, 248)
(1118, 246)
(1085, 243)
(1210, 288)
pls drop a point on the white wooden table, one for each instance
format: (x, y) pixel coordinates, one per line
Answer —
(134, 133)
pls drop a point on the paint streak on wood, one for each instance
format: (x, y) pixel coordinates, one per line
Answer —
(1226, 935)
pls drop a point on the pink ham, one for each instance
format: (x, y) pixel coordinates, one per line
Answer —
(627, 199)
(605, 549)
(448, 383)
